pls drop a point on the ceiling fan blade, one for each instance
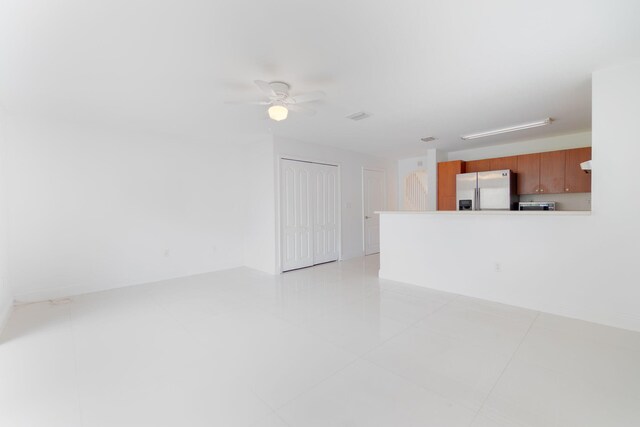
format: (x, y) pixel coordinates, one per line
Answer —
(266, 88)
(248, 102)
(307, 97)
(300, 109)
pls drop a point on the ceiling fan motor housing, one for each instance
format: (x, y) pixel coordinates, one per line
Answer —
(280, 88)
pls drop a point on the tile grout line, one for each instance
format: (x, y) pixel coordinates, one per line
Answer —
(358, 358)
(409, 326)
(279, 417)
(409, 380)
(197, 338)
(249, 387)
(76, 358)
(361, 358)
(433, 390)
(315, 385)
(193, 336)
(495, 384)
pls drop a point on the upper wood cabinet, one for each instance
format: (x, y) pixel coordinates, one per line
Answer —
(551, 172)
(528, 171)
(554, 172)
(501, 163)
(576, 180)
(552, 168)
(478, 165)
(447, 172)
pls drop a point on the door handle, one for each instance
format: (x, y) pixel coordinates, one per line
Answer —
(367, 217)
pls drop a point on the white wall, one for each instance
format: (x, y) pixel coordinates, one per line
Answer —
(6, 297)
(435, 157)
(578, 266)
(94, 209)
(405, 167)
(351, 165)
(560, 142)
(260, 212)
(429, 162)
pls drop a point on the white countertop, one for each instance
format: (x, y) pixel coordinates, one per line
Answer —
(473, 213)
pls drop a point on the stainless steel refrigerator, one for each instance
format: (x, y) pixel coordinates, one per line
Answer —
(492, 190)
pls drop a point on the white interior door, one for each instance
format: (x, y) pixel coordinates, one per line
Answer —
(373, 200)
(325, 223)
(310, 214)
(296, 214)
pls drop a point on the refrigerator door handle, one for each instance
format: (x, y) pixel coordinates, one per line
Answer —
(477, 198)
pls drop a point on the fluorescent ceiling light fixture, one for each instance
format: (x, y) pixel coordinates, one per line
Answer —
(278, 112)
(539, 123)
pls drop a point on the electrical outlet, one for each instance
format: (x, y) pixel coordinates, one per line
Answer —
(498, 267)
(166, 252)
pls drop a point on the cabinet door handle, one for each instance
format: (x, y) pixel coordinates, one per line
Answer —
(566, 189)
(542, 190)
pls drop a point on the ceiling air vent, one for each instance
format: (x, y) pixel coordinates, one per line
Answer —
(427, 139)
(361, 115)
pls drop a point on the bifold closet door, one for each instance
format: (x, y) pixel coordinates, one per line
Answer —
(309, 214)
(297, 233)
(325, 219)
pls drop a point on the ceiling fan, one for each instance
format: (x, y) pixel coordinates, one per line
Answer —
(280, 102)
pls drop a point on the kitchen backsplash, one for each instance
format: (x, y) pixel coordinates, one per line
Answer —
(564, 202)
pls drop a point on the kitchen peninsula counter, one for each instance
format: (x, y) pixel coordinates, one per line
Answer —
(499, 213)
(521, 258)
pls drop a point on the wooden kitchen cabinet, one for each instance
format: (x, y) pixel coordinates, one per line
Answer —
(528, 171)
(501, 163)
(447, 172)
(478, 166)
(576, 180)
(552, 171)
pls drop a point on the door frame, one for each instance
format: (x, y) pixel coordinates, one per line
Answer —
(296, 158)
(384, 199)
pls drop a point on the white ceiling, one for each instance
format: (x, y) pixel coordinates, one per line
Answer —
(420, 67)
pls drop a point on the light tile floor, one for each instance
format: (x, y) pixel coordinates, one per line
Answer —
(327, 346)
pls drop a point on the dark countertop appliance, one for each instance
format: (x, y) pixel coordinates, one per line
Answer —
(537, 206)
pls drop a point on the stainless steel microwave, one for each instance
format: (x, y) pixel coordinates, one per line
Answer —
(537, 206)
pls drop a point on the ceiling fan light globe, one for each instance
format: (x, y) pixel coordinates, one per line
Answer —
(278, 112)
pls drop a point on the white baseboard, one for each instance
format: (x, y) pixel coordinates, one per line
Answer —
(626, 321)
(73, 291)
